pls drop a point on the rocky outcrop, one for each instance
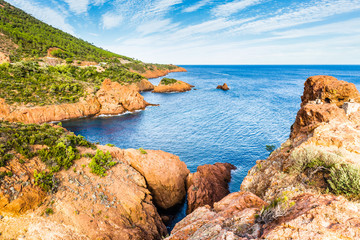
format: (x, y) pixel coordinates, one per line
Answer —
(223, 87)
(111, 99)
(226, 220)
(209, 184)
(329, 90)
(143, 86)
(155, 73)
(115, 98)
(86, 206)
(309, 183)
(165, 175)
(179, 86)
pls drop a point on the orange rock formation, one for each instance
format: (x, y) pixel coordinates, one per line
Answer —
(111, 99)
(179, 86)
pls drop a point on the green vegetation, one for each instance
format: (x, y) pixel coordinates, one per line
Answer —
(27, 82)
(168, 81)
(142, 151)
(110, 145)
(60, 146)
(45, 180)
(101, 162)
(270, 148)
(4, 174)
(342, 178)
(277, 208)
(34, 38)
(49, 211)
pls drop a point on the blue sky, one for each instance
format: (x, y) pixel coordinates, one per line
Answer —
(212, 31)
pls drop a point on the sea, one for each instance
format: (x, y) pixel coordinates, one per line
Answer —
(208, 125)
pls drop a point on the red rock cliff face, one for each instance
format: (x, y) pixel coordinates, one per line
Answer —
(111, 99)
(209, 184)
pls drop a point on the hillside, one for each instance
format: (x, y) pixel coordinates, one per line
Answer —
(23, 37)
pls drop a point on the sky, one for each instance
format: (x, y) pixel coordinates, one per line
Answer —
(212, 31)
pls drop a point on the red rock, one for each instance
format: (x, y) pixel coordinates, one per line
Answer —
(223, 87)
(179, 86)
(160, 73)
(208, 185)
(329, 90)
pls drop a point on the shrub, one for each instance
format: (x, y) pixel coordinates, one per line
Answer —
(277, 208)
(101, 162)
(46, 181)
(270, 148)
(345, 179)
(142, 151)
(168, 81)
(49, 211)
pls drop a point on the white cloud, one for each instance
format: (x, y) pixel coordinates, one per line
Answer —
(157, 25)
(46, 14)
(162, 6)
(197, 6)
(230, 8)
(110, 20)
(78, 6)
(311, 13)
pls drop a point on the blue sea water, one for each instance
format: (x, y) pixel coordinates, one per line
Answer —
(208, 125)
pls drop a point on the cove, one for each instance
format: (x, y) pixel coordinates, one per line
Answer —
(208, 125)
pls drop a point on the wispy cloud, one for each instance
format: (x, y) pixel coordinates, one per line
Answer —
(78, 6)
(111, 20)
(197, 6)
(156, 25)
(230, 8)
(46, 14)
(305, 14)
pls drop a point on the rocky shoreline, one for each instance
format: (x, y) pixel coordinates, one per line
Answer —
(301, 191)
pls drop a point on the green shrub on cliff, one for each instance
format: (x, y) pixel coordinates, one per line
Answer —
(344, 179)
(168, 81)
(101, 162)
(45, 180)
(341, 177)
(60, 146)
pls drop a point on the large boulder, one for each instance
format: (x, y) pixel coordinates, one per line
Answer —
(165, 175)
(209, 184)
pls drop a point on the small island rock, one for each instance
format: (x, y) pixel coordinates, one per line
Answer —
(223, 87)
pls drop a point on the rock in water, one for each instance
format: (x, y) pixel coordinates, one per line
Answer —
(223, 87)
(208, 185)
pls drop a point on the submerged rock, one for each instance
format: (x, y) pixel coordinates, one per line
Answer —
(209, 184)
(223, 87)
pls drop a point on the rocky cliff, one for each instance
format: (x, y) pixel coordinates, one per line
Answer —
(86, 206)
(112, 98)
(307, 189)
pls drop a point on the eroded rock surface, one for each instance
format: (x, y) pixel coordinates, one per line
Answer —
(155, 73)
(209, 184)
